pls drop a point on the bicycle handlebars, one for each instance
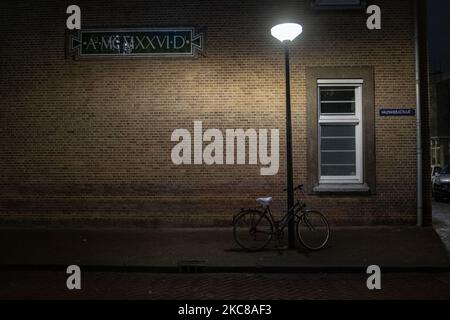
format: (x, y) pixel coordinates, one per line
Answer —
(299, 187)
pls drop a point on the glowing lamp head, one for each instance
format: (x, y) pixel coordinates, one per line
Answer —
(286, 31)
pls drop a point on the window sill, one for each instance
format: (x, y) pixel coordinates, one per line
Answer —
(324, 7)
(342, 188)
(339, 8)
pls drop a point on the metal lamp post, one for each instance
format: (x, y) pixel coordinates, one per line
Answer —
(286, 33)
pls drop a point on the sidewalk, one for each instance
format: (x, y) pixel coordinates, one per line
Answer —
(213, 250)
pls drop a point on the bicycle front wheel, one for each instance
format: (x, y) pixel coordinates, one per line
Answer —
(252, 230)
(313, 230)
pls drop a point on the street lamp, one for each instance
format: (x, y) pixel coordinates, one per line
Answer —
(286, 32)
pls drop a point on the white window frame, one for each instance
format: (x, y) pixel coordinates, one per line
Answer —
(435, 152)
(344, 119)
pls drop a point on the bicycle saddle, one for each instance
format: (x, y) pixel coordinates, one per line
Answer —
(264, 201)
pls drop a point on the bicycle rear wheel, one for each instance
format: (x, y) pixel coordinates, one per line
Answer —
(313, 230)
(252, 230)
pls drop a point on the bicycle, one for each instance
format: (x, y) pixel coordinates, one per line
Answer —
(253, 229)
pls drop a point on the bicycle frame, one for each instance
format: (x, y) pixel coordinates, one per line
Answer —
(281, 224)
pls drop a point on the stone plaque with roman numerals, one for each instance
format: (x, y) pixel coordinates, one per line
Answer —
(140, 42)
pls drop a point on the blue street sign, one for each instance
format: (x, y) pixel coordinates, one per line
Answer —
(397, 112)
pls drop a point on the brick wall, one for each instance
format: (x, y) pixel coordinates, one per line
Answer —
(89, 141)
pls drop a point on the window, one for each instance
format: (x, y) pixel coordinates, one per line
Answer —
(435, 152)
(340, 131)
(337, 4)
(340, 149)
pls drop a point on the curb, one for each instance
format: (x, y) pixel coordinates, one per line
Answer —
(227, 269)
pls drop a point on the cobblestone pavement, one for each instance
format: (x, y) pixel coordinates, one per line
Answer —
(109, 285)
(441, 221)
(115, 285)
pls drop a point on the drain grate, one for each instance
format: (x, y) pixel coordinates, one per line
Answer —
(192, 266)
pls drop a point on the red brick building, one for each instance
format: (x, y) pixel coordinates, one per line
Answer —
(88, 141)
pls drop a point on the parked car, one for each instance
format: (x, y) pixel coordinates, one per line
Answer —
(441, 184)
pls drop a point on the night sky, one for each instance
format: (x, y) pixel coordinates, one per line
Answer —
(439, 34)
